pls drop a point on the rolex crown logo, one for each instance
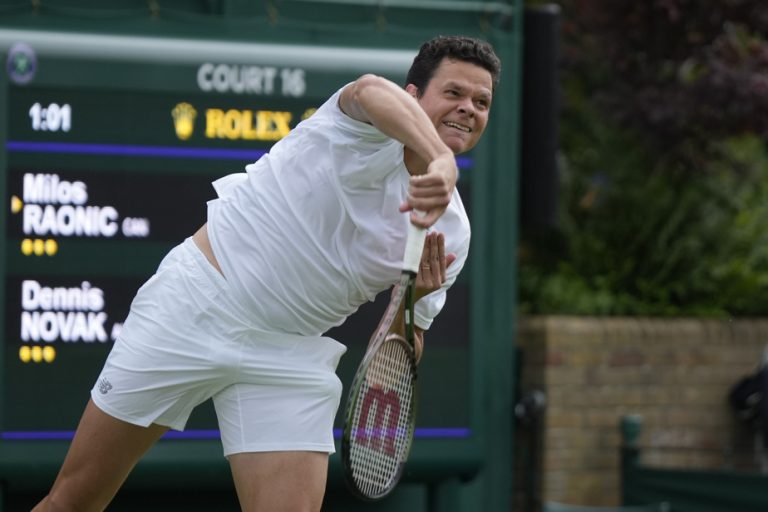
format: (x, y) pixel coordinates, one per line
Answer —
(184, 120)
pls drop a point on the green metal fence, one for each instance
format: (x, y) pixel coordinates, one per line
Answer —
(687, 490)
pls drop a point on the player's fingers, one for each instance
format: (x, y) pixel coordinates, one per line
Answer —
(434, 258)
(425, 268)
(449, 258)
(421, 215)
(418, 349)
(426, 200)
(434, 181)
(433, 279)
(438, 192)
(429, 269)
(428, 219)
(427, 248)
(440, 255)
(429, 194)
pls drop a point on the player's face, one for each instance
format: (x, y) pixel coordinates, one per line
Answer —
(458, 100)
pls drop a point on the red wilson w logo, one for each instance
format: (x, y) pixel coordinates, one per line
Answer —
(386, 407)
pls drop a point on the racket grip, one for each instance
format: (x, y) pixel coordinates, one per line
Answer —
(414, 246)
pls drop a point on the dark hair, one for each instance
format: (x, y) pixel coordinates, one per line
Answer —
(462, 48)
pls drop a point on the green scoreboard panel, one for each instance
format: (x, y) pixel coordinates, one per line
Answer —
(109, 148)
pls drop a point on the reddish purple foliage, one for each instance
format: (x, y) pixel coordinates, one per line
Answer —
(676, 69)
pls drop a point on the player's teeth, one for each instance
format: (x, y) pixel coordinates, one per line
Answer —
(454, 125)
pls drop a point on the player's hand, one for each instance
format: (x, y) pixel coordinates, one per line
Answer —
(431, 276)
(434, 263)
(431, 192)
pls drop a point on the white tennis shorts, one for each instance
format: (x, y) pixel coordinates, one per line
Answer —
(186, 340)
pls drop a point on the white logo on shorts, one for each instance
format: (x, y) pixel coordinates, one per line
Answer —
(104, 386)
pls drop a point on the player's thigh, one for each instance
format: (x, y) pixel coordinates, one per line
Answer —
(102, 454)
(285, 481)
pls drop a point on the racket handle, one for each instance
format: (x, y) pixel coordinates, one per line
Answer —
(414, 246)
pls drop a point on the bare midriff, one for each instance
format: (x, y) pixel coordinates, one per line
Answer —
(204, 244)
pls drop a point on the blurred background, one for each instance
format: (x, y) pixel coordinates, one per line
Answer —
(604, 346)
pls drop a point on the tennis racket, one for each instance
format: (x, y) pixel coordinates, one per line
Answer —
(381, 405)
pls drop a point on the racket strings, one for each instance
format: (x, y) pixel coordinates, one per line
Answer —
(381, 426)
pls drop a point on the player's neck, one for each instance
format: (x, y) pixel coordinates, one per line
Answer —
(413, 162)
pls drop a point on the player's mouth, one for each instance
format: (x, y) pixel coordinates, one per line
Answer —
(458, 126)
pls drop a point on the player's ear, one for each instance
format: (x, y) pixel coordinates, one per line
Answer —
(412, 90)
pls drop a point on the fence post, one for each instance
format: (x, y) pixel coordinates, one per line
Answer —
(631, 425)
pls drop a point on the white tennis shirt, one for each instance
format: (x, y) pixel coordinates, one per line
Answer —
(312, 230)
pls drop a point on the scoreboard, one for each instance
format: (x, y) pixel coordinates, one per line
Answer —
(109, 147)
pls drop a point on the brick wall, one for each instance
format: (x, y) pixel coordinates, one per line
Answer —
(676, 374)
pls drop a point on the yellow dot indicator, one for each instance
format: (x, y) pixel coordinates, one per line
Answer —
(38, 245)
(16, 204)
(51, 247)
(37, 353)
(26, 247)
(25, 354)
(49, 354)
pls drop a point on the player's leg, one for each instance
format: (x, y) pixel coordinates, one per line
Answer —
(276, 420)
(292, 481)
(102, 453)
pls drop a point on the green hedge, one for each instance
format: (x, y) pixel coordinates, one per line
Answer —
(642, 233)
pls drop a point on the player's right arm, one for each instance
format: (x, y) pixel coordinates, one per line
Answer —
(382, 103)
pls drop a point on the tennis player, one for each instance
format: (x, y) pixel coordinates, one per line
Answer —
(291, 248)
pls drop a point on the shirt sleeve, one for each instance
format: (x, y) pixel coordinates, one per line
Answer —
(349, 126)
(375, 154)
(226, 185)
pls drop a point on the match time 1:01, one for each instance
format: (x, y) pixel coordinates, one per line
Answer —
(52, 118)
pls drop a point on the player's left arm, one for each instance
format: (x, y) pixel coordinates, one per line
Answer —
(430, 278)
